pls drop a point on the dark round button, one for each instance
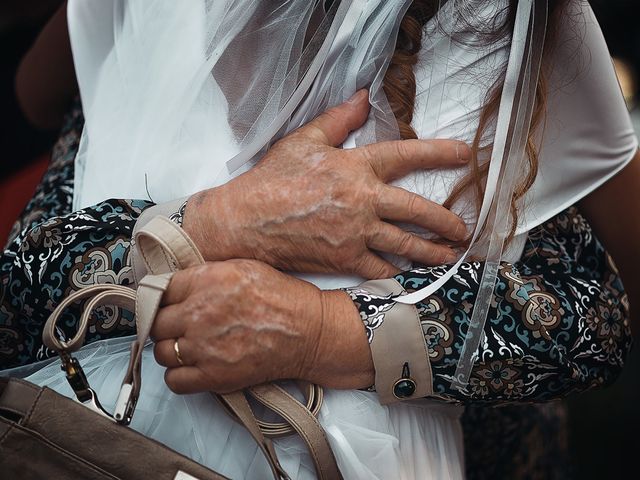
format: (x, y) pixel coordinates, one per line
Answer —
(404, 388)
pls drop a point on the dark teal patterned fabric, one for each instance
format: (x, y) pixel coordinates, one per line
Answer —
(53, 251)
(559, 320)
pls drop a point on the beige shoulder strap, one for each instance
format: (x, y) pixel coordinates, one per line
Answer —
(122, 296)
(165, 247)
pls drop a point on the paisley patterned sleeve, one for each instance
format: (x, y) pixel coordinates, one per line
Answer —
(53, 251)
(559, 321)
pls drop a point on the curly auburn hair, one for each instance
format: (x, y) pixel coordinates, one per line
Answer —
(400, 88)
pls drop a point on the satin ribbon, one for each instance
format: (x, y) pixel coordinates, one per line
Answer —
(512, 130)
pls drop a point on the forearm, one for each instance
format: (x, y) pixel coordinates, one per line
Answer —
(206, 221)
(343, 358)
(45, 81)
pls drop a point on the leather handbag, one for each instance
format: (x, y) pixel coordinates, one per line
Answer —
(46, 435)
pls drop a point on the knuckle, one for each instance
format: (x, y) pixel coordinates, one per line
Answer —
(432, 255)
(450, 225)
(215, 385)
(282, 143)
(236, 266)
(445, 256)
(244, 272)
(356, 206)
(414, 206)
(343, 256)
(192, 308)
(200, 273)
(361, 265)
(333, 115)
(403, 149)
(377, 196)
(405, 244)
(367, 156)
(437, 255)
(293, 135)
(373, 237)
(224, 387)
(300, 136)
(368, 267)
(348, 258)
(381, 271)
(232, 271)
(157, 353)
(295, 143)
(430, 252)
(427, 149)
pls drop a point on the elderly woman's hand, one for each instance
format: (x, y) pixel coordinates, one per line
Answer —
(311, 207)
(240, 323)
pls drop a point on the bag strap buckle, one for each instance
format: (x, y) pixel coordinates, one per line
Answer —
(125, 405)
(80, 385)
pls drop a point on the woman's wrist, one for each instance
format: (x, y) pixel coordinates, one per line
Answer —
(204, 220)
(342, 357)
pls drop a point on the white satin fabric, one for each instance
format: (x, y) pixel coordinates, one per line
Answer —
(587, 138)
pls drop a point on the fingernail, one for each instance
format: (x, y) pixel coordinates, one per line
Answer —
(463, 152)
(358, 96)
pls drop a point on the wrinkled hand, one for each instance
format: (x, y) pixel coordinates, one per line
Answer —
(241, 323)
(311, 207)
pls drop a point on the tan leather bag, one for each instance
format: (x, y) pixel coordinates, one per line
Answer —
(46, 435)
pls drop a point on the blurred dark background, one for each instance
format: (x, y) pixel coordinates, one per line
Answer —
(20, 22)
(604, 425)
(604, 429)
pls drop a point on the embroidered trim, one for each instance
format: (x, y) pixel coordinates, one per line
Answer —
(372, 308)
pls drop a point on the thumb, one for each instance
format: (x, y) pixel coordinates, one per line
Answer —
(334, 125)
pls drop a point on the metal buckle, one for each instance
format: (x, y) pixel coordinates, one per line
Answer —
(75, 376)
(94, 404)
(87, 396)
(125, 405)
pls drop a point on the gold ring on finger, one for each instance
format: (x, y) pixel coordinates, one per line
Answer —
(176, 348)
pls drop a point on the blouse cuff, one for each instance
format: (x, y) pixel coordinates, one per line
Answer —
(174, 210)
(398, 347)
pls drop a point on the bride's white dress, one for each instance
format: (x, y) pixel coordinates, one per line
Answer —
(158, 133)
(405, 441)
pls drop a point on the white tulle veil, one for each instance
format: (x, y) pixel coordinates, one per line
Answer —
(179, 96)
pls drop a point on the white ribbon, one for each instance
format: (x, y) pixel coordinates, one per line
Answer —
(504, 170)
